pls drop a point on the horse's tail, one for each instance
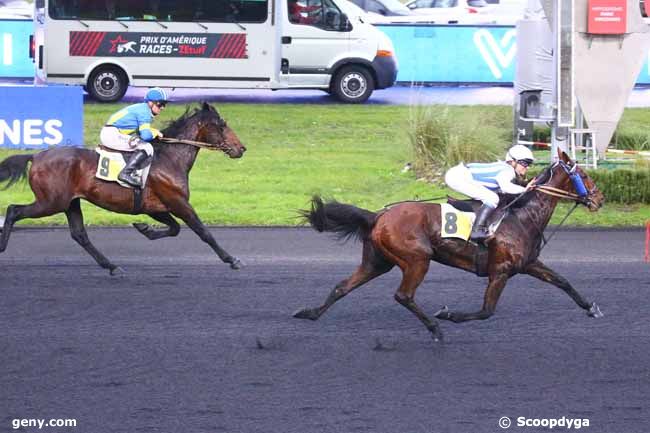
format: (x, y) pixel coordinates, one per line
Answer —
(14, 169)
(345, 220)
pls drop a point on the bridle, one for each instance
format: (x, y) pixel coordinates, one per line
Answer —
(582, 195)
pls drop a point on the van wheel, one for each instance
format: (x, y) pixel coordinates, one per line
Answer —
(353, 84)
(107, 84)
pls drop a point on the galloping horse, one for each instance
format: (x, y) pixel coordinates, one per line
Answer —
(60, 177)
(408, 235)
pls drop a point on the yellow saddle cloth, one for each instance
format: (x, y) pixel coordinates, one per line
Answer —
(111, 164)
(455, 223)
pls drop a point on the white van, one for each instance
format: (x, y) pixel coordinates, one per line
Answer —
(272, 44)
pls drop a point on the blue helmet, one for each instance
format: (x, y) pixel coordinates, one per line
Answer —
(155, 94)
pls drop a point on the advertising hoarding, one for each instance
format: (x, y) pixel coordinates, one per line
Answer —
(35, 117)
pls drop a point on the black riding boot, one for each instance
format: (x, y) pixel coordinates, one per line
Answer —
(128, 175)
(480, 229)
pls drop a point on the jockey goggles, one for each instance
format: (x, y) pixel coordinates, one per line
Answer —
(524, 162)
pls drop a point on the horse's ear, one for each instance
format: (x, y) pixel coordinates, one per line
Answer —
(205, 106)
(563, 156)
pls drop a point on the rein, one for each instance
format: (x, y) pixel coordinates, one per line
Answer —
(424, 200)
(556, 192)
(199, 144)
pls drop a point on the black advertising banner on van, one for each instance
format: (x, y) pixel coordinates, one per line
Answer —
(126, 44)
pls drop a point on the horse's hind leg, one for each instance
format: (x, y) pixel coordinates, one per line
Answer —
(540, 271)
(371, 267)
(492, 294)
(413, 274)
(173, 228)
(78, 232)
(16, 212)
(184, 211)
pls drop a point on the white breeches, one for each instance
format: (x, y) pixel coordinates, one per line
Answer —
(460, 179)
(111, 137)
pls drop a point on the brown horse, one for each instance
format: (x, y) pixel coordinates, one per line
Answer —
(408, 235)
(60, 177)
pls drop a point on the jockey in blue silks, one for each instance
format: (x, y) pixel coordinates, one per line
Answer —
(482, 181)
(130, 130)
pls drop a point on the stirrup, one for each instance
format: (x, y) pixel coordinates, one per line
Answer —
(479, 236)
(134, 181)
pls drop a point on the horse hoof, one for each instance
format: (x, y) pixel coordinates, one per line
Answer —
(594, 311)
(141, 227)
(236, 263)
(443, 313)
(305, 313)
(117, 271)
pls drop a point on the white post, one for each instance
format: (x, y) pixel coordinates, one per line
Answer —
(564, 89)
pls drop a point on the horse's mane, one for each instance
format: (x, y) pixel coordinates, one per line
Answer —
(175, 127)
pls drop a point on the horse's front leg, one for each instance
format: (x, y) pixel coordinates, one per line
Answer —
(183, 210)
(492, 293)
(540, 271)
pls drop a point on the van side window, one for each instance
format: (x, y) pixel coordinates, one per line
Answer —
(215, 11)
(318, 13)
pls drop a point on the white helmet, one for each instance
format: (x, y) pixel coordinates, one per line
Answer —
(521, 154)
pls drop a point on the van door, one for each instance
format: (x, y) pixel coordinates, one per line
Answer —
(313, 40)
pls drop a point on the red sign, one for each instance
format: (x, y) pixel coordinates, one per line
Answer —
(607, 17)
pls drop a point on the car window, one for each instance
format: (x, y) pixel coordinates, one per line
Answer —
(421, 4)
(376, 7)
(444, 3)
(395, 7)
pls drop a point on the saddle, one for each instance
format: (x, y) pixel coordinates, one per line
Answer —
(111, 162)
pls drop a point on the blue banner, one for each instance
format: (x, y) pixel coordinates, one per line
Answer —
(41, 117)
(14, 49)
(644, 76)
(456, 54)
(459, 54)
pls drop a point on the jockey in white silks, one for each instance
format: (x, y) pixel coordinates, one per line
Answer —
(482, 181)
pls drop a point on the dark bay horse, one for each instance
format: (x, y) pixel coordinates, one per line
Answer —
(61, 177)
(408, 235)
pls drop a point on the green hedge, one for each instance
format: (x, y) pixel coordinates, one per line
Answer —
(624, 186)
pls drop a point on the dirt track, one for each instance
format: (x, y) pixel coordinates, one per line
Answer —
(181, 343)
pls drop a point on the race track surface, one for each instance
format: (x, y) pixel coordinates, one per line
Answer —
(181, 343)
